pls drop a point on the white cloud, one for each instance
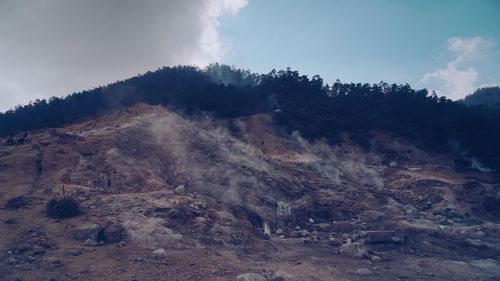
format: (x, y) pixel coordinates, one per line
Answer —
(456, 80)
(468, 49)
(455, 84)
(213, 49)
(55, 47)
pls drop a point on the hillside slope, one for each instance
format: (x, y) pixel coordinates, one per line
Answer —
(485, 96)
(204, 189)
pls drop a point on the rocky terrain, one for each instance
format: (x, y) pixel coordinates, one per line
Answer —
(165, 197)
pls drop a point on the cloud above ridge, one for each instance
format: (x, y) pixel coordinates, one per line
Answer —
(55, 47)
(459, 79)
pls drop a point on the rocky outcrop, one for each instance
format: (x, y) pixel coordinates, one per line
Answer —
(93, 232)
(354, 250)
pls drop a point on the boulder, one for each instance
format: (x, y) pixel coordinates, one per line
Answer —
(225, 217)
(160, 252)
(87, 231)
(181, 189)
(363, 271)
(355, 250)
(267, 231)
(91, 242)
(334, 241)
(452, 212)
(112, 234)
(95, 232)
(271, 276)
(410, 211)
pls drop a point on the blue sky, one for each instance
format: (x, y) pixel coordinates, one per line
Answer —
(369, 41)
(57, 47)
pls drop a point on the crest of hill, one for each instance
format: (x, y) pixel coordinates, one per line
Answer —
(486, 96)
(294, 102)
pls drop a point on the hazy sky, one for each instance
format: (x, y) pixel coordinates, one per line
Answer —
(55, 47)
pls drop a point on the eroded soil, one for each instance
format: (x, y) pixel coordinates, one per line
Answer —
(203, 189)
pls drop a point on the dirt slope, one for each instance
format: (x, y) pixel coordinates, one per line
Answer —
(203, 189)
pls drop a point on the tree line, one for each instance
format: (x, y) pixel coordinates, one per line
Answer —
(296, 102)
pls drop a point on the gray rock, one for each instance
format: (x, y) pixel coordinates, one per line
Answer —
(11, 260)
(480, 233)
(113, 234)
(181, 189)
(267, 231)
(91, 242)
(75, 253)
(444, 227)
(160, 253)
(444, 221)
(87, 231)
(250, 277)
(410, 211)
(271, 276)
(334, 241)
(138, 259)
(265, 276)
(490, 266)
(355, 250)
(324, 227)
(363, 271)
(397, 239)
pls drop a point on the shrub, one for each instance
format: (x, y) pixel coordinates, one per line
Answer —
(65, 207)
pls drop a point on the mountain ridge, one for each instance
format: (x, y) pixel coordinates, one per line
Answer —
(295, 102)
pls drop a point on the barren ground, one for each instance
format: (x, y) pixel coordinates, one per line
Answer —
(202, 190)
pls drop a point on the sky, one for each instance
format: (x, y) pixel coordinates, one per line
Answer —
(57, 47)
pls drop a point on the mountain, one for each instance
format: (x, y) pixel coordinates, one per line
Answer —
(487, 96)
(295, 102)
(182, 176)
